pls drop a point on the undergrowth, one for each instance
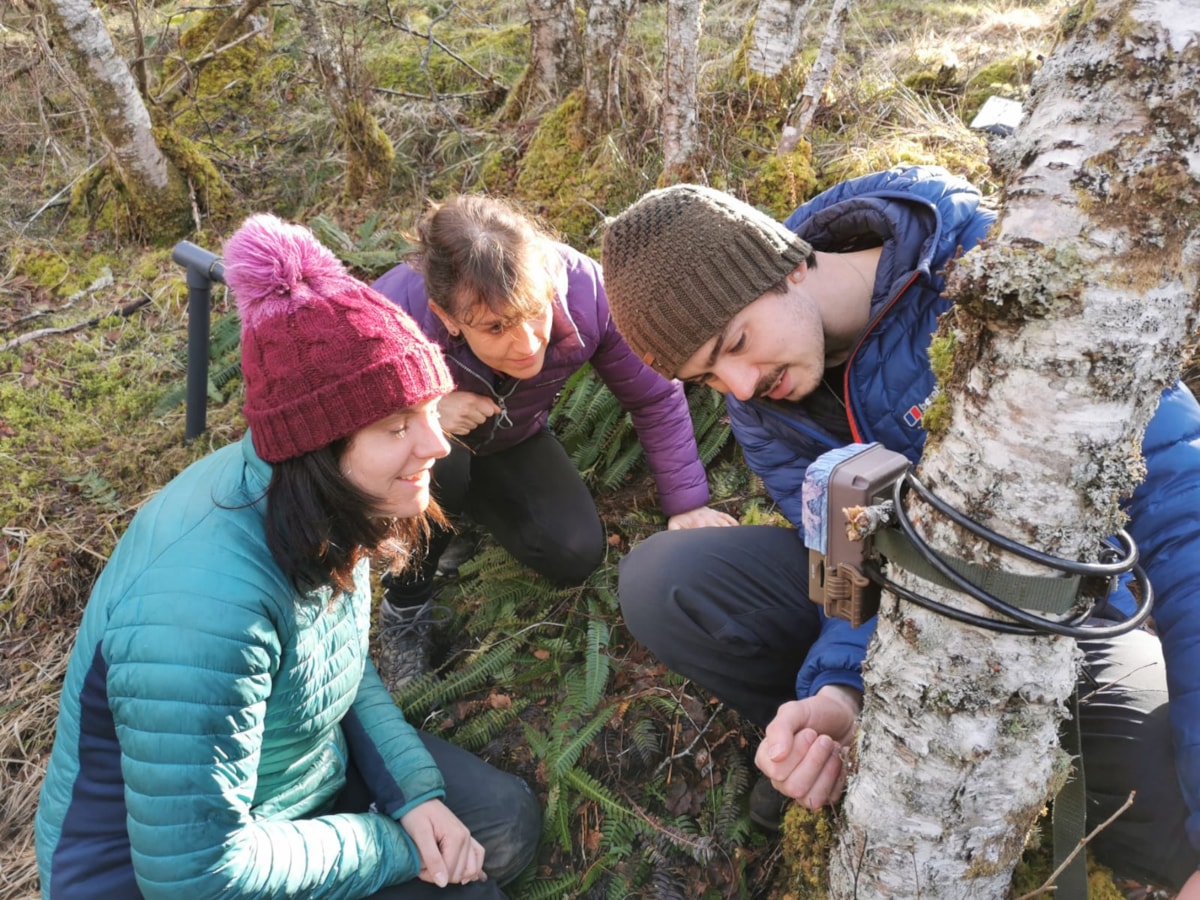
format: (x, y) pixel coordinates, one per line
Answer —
(643, 777)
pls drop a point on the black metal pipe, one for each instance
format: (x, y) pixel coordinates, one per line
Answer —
(203, 268)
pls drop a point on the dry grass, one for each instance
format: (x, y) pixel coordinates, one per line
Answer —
(59, 535)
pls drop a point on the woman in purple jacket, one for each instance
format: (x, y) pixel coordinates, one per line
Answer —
(517, 314)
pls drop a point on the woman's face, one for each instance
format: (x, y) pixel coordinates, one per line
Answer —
(517, 349)
(391, 459)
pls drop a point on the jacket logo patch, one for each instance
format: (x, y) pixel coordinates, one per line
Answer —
(912, 417)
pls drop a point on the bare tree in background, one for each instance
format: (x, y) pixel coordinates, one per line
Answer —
(156, 192)
(799, 117)
(603, 44)
(369, 151)
(554, 56)
(680, 116)
(959, 738)
(775, 38)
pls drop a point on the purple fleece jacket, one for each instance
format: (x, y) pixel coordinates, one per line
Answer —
(582, 332)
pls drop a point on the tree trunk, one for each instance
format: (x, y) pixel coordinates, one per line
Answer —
(775, 38)
(1066, 327)
(799, 117)
(680, 116)
(157, 194)
(554, 49)
(603, 42)
(369, 151)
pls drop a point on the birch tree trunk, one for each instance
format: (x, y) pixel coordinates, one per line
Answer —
(680, 116)
(800, 116)
(554, 48)
(1067, 326)
(603, 42)
(775, 37)
(157, 193)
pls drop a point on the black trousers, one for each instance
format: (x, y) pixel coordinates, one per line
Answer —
(499, 809)
(530, 498)
(729, 608)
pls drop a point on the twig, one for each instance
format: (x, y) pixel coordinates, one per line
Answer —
(124, 311)
(1048, 886)
(687, 751)
(49, 203)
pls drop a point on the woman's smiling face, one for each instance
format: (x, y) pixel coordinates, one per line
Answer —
(391, 459)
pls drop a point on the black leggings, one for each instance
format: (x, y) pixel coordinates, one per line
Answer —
(530, 498)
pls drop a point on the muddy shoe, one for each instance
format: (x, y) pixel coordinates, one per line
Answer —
(767, 805)
(404, 643)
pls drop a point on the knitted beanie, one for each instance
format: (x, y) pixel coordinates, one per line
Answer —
(323, 355)
(681, 261)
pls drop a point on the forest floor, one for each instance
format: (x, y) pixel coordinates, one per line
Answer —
(644, 777)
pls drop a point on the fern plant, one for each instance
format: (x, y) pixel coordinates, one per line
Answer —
(600, 438)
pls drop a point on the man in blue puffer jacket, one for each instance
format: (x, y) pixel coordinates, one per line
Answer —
(817, 331)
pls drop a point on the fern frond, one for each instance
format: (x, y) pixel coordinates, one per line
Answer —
(486, 727)
(564, 760)
(420, 696)
(596, 663)
(593, 790)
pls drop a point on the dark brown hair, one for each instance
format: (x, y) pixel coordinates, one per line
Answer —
(319, 524)
(478, 251)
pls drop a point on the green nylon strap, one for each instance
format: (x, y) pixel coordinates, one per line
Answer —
(1040, 593)
(1068, 814)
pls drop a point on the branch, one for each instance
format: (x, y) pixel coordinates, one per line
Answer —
(1048, 886)
(124, 311)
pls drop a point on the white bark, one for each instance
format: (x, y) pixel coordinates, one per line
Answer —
(603, 42)
(775, 38)
(554, 47)
(801, 115)
(124, 120)
(1083, 298)
(680, 118)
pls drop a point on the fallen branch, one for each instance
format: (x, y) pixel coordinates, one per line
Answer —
(124, 311)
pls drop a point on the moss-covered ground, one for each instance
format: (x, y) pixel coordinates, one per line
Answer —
(93, 336)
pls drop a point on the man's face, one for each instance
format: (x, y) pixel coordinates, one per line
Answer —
(773, 348)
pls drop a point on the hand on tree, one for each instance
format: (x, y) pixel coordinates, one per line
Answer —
(462, 412)
(801, 750)
(449, 855)
(700, 517)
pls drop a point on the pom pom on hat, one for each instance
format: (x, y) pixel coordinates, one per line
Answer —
(323, 355)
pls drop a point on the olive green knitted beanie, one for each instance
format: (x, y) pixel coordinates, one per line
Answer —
(681, 261)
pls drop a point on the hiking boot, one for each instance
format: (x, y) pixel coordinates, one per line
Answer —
(404, 642)
(767, 805)
(461, 548)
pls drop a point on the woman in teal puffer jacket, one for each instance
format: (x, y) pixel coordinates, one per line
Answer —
(222, 731)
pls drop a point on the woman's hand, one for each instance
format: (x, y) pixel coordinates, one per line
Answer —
(700, 517)
(801, 749)
(462, 412)
(449, 855)
(1191, 888)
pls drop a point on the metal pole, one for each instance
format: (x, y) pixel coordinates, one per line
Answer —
(203, 268)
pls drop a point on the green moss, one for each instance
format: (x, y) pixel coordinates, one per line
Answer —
(807, 841)
(1008, 77)
(784, 182)
(500, 53)
(563, 166)
(931, 70)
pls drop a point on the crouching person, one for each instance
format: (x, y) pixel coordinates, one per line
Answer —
(222, 731)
